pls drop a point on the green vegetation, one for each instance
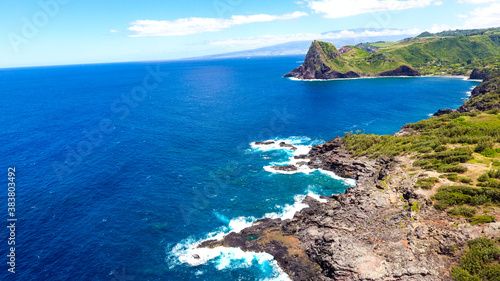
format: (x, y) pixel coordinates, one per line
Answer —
(463, 211)
(468, 32)
(452, 52)
(431, 139)
(456, 178)
(448, 196)
(489, 179)
(426, 34)
(486, 96)
(327, 48)
(444, 144)
(482, 219)
(415, 206)
(465, 179)
(479, 261)
(450, 177)
(426, 183)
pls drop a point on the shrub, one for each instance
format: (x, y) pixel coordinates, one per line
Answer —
(451, 169)
(490, 152)
(465, 179)
(452, 176)
(461, 274)
(490, 183)
(463, 211)
(494, 174)
(440, 148)
(415, 206)
(426, 183)
(482, 219)
(442, 205)
(478, 261)
(448, 196)
(447, 199)
(483, 145)
(484, 177)
(479, 200)
(491, 272)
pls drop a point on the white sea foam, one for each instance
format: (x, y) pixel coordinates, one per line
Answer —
(288, 211)
(316, 196)
(228, 258)
(187, 251)
(346, 181)
(303, 145)
(388, 77)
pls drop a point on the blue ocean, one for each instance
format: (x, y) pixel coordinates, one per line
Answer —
(122, 169)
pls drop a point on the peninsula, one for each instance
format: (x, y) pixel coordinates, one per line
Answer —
(446, 53)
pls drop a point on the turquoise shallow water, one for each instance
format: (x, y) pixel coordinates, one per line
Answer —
(175, 164)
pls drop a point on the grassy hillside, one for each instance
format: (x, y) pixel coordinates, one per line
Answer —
(456, 155)
(452, 52)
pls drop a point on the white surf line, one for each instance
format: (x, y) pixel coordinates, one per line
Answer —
(300, 150)
(466, 78)
(187, 251)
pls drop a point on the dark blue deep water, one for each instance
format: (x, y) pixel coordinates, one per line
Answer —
(119, 172)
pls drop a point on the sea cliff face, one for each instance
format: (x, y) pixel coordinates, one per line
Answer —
(316, 66)
(403, 70)
(485, 96)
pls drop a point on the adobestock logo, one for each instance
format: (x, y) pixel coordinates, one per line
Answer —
(31, 26)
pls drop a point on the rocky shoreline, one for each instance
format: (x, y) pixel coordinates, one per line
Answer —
(383, 228)
(380, 229)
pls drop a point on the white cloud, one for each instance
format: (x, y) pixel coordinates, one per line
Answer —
(114, 31)
(268, 40)
(188, 26)
(438, 3)
(462, 16)
(476, 1)
(438, 28)
(484, 17)
(342, 8)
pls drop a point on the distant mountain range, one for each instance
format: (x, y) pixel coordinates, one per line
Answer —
(301, 47)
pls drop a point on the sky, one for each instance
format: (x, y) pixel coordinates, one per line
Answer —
(55, 32)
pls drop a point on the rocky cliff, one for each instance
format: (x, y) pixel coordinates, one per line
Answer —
(383, 228)
(324, 61)
(380, 229)
(485, 96)
(317, 63)
(403, 70)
